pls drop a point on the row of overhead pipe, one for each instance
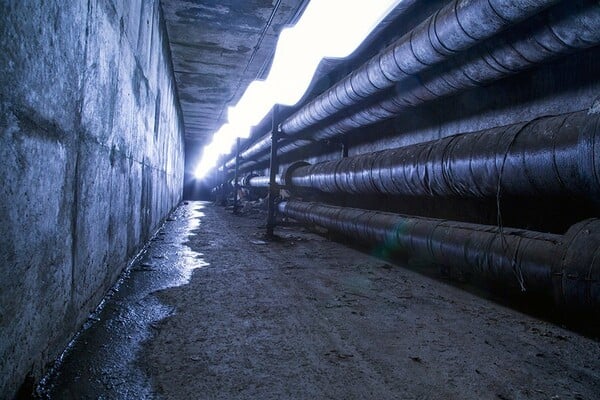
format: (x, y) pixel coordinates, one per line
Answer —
(284, 147)
(574, 25)
(454, 28)
(570, 26)
(261, 145)
(557, 155)
(566, 267)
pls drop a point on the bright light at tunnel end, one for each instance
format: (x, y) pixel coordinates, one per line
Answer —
(327, 29)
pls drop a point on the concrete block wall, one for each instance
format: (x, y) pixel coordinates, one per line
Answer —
(91, 161)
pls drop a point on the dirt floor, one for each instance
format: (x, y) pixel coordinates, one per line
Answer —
(307, 318)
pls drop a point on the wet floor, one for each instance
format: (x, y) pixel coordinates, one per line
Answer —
(101, 362)
(212, 310)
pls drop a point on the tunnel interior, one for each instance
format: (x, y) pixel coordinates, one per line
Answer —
(461, 140)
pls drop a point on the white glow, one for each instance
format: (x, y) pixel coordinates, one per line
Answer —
(327, 28)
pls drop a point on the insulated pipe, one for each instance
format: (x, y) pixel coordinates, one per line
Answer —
(571, 26)
(261, 181)
(566, 267)
(548, 156)
(454, 28)
(286, 174)
(575, 25)
(246, 179)
(264, 143)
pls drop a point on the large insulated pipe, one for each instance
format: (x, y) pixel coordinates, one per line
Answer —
(565, 266)
(573, 25)
(260, 181)
(548, 156)
(263, 144)
(568, 27)
(454, 28)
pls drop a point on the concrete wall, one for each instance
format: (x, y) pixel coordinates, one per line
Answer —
(91, 161)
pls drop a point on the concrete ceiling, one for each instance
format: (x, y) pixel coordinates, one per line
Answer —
(218, 48)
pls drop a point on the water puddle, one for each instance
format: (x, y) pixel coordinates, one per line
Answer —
(101, 360)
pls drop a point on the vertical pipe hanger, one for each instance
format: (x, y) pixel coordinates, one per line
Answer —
(235, 178)
(224, 191)
(274, 166)
(215, 186)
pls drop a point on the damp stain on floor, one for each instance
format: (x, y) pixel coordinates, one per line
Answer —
(102, 361)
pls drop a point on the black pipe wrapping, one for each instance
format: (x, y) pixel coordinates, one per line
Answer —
(548, 156)
(454, 28)
(261, 181)
(571, 26)
(263, 144)
(246, 179)
(574, 25)
(566, 267)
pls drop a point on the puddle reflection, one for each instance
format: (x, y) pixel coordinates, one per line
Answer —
(189, 259)
(104, 354)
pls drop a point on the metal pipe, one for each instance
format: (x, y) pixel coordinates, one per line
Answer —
(568, 27)
(548, 156)
(262, 181)
(264, 144)
(246, 179)
(566, 267)
(259, 181)
(452, 29)
(573, 26)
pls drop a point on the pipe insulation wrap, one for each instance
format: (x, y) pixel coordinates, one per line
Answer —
(454, 28)
(260, 181)
(566, 267)
(571, 26)
(246, 179)
(264, 143)
(568, 27)
(549, 156)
